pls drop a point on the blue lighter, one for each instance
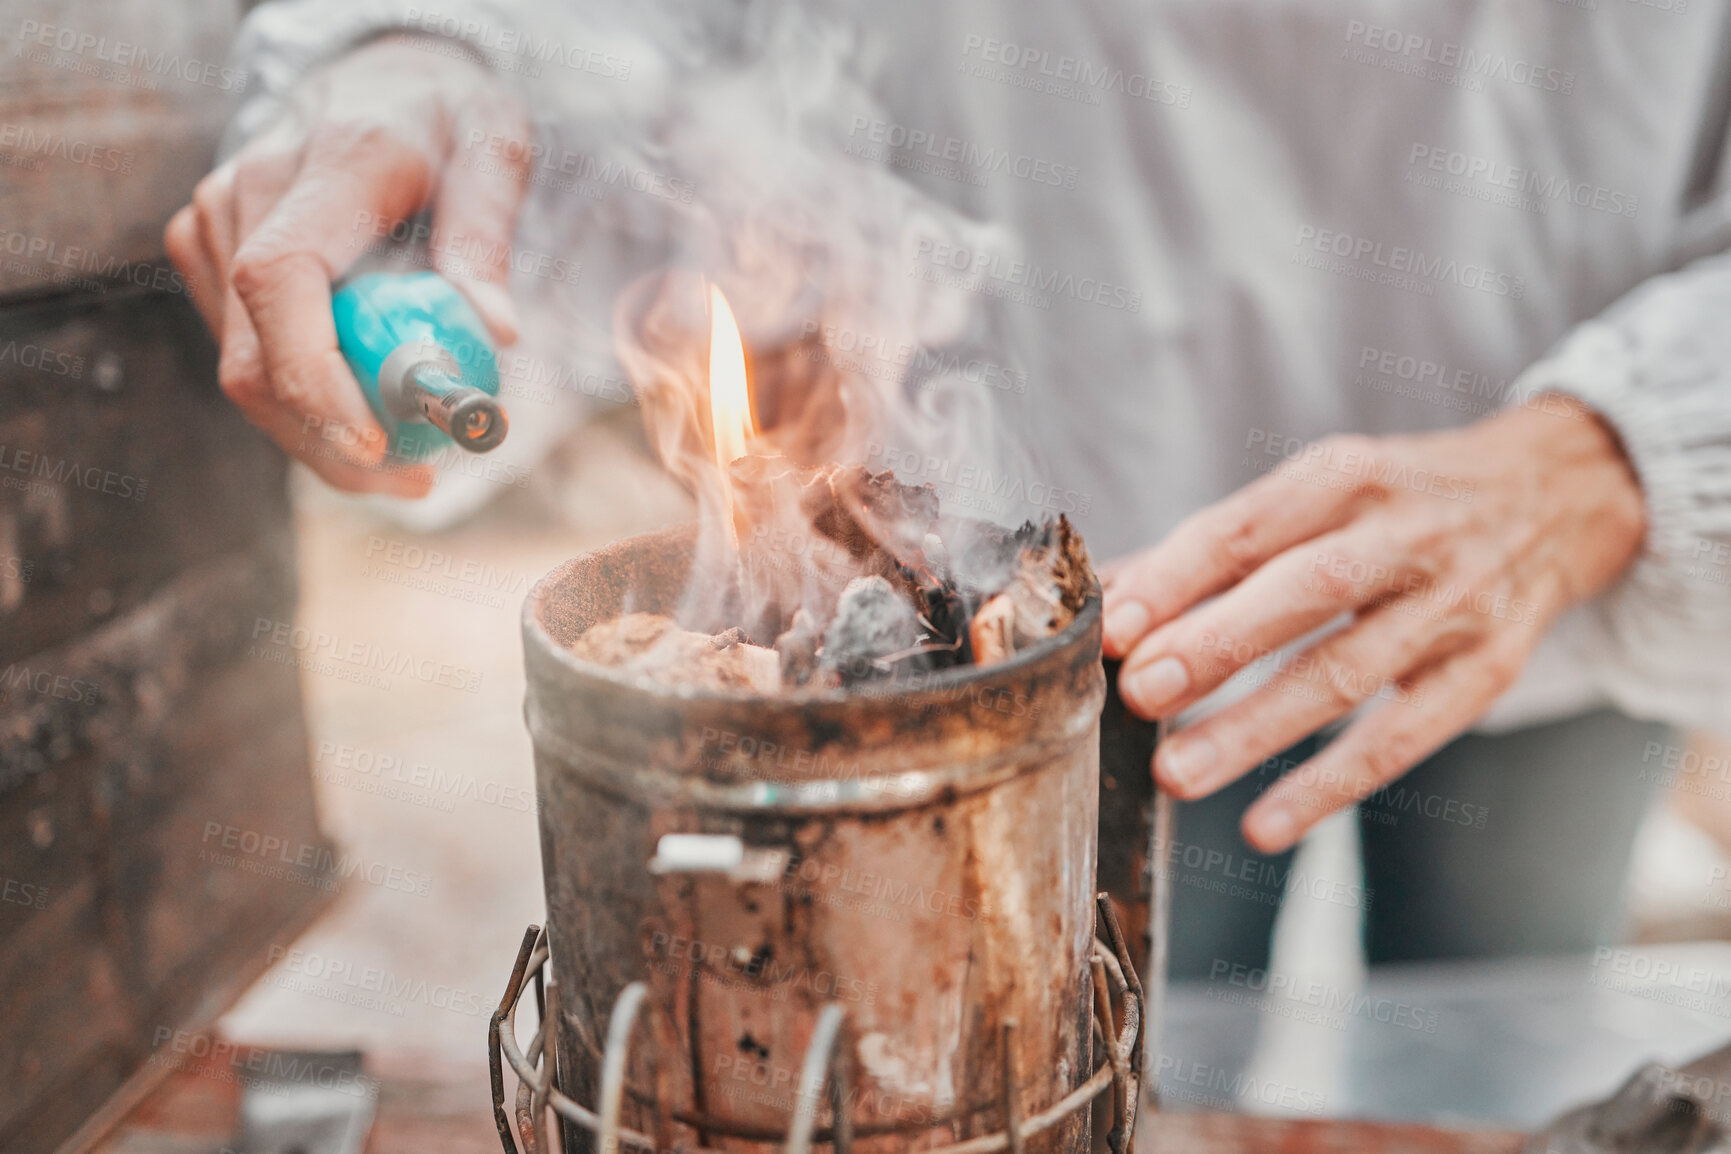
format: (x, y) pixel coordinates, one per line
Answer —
(423, 359)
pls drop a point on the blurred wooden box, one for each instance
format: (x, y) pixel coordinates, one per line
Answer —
(157, 832)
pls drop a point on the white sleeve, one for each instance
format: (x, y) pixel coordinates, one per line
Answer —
(281, 41)
(1657, 367)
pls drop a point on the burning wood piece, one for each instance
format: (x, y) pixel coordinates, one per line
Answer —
(1047, 588)
(992, 632)
(652, 644)
(865, 513)
(872, 622)
(943, 608)
(868, 511)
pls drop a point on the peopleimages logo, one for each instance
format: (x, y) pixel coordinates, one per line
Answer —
(1218, 871)
(1246, 984)
(851, 349)
(996, 275)
(278, 856)
(1062, 70)
(1454, 59)
(953, 150)
(62, 471)
(388, 775)
(965, 477)
(1427, 164)
(331, 975)
(679, 955)
(476, 252)
(1217, 1086)
(1346, 465)
(43, 359)
(123, 54)
(25, 140)
(580, 168)
(1366, 258)
(286, 636)
(518, 44)
(46, 683)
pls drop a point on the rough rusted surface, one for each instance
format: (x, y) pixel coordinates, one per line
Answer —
(144, 534)
(1126, 814)
(144, 924)
(931, 845)
(122, 465)
(105, 140)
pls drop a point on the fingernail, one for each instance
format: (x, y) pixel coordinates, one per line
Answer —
(1156, 684)
(1274, 828)
(1183, 762)
(1125, 623)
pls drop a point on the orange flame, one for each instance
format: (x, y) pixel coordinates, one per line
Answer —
(729, 394)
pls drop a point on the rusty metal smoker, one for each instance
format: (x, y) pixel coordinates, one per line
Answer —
(861, 917)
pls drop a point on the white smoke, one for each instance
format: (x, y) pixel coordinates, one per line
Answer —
(725, 148)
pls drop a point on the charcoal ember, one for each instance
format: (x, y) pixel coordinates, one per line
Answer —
(1046, 585)
(654, 644)
(1072, 572)
(992, 632)
(870, 511)
(943, 611)
(873, 622)
(798, 649)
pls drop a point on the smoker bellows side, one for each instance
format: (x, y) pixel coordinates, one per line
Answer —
(923, 854)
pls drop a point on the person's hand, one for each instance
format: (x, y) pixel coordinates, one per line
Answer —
(368, 142)
(1452, 552)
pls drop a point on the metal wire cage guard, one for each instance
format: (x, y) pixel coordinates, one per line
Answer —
(823, 1073)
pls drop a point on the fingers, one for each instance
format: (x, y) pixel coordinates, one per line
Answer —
(241, 372)
(326, 447)
(283, 275)
(1296, 592)
(200, 242)
(392, 478)
(475, 213)
(288, 300)
(201, 239)
(186, 249)
(1110, 571)
(268, 233)
(1216, 548)
(1321, 685)
(1383, 745)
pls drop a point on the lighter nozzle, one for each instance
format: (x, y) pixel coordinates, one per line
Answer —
(477, 423)
(470, 417)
